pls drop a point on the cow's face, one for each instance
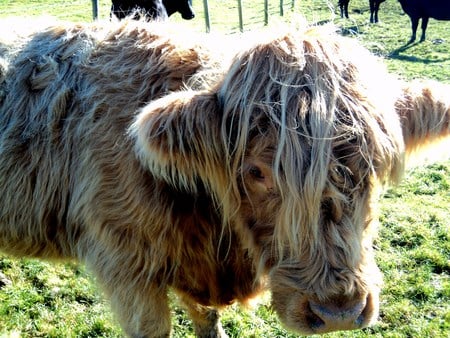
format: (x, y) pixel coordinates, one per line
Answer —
(310, 144)
(308, 217)
(290, 143)
(184, 7)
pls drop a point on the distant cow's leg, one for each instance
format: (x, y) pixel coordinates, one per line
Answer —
(424, 28)
(414, 24)
(372, 11)
(377, 7)
(374, 7)
(343, 6)
(206, 320)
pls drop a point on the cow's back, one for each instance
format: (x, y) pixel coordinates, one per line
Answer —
(439, 9)
(38, 95)
(436, 9)
(68, 95)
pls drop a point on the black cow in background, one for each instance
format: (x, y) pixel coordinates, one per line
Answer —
(374, 7)
(425, 9)
(343, 6)
(152, 9)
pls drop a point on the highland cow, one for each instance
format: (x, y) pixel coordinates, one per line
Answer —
(261, 178)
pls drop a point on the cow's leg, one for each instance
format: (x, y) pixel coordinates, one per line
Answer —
(206, 319)
(139, 303)
(377, 7)
(424, 28)
(142, 312)
(414, 24)
(346, 10)
(373, 15)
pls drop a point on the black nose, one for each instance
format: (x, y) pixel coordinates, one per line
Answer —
(188, 16)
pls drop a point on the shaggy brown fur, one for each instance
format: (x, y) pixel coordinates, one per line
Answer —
(263, 177)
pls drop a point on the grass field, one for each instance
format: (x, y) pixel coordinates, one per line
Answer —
(413, 248)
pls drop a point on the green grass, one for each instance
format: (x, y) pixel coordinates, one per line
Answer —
(413, 248)
(413, 251)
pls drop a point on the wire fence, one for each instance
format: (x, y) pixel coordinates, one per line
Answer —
(206, 14)
(282, 5)
(233, 15)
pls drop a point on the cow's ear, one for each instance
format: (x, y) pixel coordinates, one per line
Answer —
(424, 111)
(178, 139)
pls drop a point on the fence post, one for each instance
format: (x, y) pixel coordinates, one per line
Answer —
(206, 10)
(281, 7)
(266, 12)
(241, 20)
(95, 9)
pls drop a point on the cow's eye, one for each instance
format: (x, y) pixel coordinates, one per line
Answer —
(256, 173)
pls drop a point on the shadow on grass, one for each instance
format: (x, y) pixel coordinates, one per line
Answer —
(350, 31)
(345, 31)
(396, 54)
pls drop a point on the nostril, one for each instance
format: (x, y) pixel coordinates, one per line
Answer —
(370, 311)
(336, 315)
(313, 320)
(360, 320)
